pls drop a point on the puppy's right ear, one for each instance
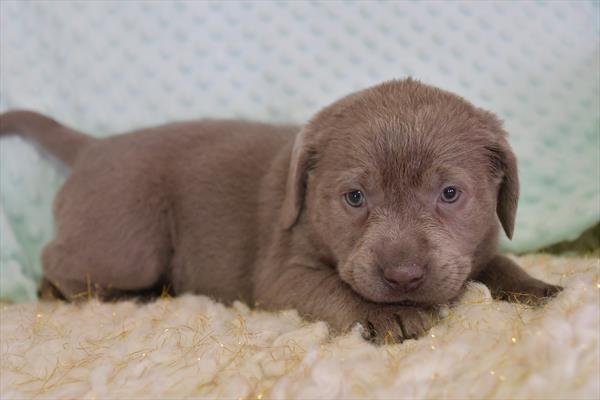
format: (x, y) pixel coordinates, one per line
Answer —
(302, 158)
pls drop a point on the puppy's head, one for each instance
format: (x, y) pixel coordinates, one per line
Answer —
(402, 186)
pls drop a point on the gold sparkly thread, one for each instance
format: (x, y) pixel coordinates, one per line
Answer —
(196, 344)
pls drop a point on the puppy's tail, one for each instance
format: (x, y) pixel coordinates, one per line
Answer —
(64, 142)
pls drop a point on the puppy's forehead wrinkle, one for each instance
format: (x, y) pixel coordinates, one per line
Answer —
(403, 148)
(392, 158)
(385, 159)
(427, 167)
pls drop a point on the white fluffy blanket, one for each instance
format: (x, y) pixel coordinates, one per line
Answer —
(193, 347)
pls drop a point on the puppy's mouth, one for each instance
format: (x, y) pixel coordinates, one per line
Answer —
(437, 285)
(402, 294)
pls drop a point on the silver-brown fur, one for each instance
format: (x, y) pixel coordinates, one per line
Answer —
(256, 212)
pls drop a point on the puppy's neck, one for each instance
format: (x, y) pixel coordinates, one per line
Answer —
(486, 250)
(305, 240)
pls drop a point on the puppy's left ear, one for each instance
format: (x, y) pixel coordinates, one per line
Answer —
(504, 164)
(302, 158)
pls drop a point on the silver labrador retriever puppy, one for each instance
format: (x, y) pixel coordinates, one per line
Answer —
(378, 209)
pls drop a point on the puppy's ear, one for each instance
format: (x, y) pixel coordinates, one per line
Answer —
(504, 165)
(302, 158)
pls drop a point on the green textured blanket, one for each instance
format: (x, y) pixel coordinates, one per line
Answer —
(105, 68)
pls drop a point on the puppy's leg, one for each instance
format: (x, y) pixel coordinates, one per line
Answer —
(112, 233)
(67, 274)
(319, 294)
(47, 291)
(508, 281)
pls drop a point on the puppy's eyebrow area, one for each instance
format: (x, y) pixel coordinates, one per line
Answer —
(352, 177)
(455, 175)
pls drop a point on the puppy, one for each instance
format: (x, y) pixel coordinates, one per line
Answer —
(378, 209)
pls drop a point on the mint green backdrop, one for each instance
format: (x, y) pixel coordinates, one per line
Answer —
(106, 67)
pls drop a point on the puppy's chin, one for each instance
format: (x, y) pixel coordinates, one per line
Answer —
(444, 283)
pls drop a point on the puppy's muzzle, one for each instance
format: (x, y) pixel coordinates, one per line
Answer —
(402, 263)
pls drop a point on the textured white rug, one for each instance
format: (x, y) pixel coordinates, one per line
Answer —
(193, 347)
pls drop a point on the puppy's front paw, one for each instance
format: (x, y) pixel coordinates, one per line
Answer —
(387, 324)
(533, 293)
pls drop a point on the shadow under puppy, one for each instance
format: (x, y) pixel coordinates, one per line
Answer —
(377, 210)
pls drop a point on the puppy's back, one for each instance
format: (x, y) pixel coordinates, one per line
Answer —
(176, 203)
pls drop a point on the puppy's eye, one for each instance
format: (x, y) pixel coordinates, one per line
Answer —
(450, 194)
(355, 198)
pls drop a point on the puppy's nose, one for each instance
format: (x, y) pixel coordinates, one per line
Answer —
(406, 276)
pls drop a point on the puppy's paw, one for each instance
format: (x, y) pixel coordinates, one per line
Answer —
(386, 324)
(47, 291)
(533, 293)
